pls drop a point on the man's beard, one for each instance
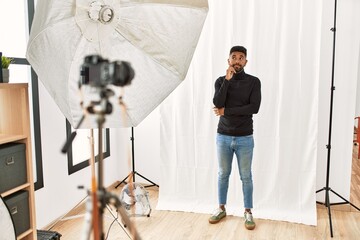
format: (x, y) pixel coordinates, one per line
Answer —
(238, 68)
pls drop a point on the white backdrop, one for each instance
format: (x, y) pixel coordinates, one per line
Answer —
(290, 49)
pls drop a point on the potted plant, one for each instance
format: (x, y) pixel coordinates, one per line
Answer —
(5, 63)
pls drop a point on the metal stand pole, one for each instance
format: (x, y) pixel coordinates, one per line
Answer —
(327, 189)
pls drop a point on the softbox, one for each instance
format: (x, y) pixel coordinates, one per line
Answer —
(157, 37)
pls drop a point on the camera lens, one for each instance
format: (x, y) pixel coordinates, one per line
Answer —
(123, 73)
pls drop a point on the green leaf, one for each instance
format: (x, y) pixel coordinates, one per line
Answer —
(5, 62)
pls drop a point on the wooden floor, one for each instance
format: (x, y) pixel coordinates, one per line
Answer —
(355, 178)
(168, 225)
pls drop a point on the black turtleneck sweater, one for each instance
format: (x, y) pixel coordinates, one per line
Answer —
(241, 97)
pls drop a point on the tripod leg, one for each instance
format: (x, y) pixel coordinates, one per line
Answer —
(327, 203)
(346, 201)
(114, 200)
(117, 220)
(153, 184)
(124, 180)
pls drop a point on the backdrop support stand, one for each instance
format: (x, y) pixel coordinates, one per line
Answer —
(134, 172)
(327, 189)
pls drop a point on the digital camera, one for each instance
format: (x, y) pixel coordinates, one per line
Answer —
(99, 72)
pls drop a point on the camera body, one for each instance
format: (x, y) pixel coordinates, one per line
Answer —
(99, 72)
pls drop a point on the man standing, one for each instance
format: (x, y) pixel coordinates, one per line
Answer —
(237, 97)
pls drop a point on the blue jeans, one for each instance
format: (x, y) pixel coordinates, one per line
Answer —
(243, 148)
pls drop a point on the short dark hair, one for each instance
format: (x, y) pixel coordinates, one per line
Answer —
(238, 49)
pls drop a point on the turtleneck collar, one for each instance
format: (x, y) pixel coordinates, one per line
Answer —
(240, 75)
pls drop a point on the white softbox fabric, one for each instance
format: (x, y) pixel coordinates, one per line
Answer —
(157, 37)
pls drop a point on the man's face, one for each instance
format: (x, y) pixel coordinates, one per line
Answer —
(237, 60)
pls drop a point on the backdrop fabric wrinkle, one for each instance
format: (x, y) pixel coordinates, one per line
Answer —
(284, 41)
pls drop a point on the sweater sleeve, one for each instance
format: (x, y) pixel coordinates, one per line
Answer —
(253, 106)
(221, 87)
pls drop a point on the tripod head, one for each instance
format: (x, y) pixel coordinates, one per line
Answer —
(100, 108)
(103, 106)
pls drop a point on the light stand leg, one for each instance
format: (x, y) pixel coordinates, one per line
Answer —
(346, 201)
(327, 197)
(327, 205)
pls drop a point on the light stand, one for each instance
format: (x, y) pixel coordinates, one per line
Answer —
(134, 172)
(327, 189)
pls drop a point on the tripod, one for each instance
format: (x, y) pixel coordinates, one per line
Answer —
(133, 172)
(327, 189)
(100, 198)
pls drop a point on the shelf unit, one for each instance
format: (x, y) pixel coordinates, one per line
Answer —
(15, 128)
